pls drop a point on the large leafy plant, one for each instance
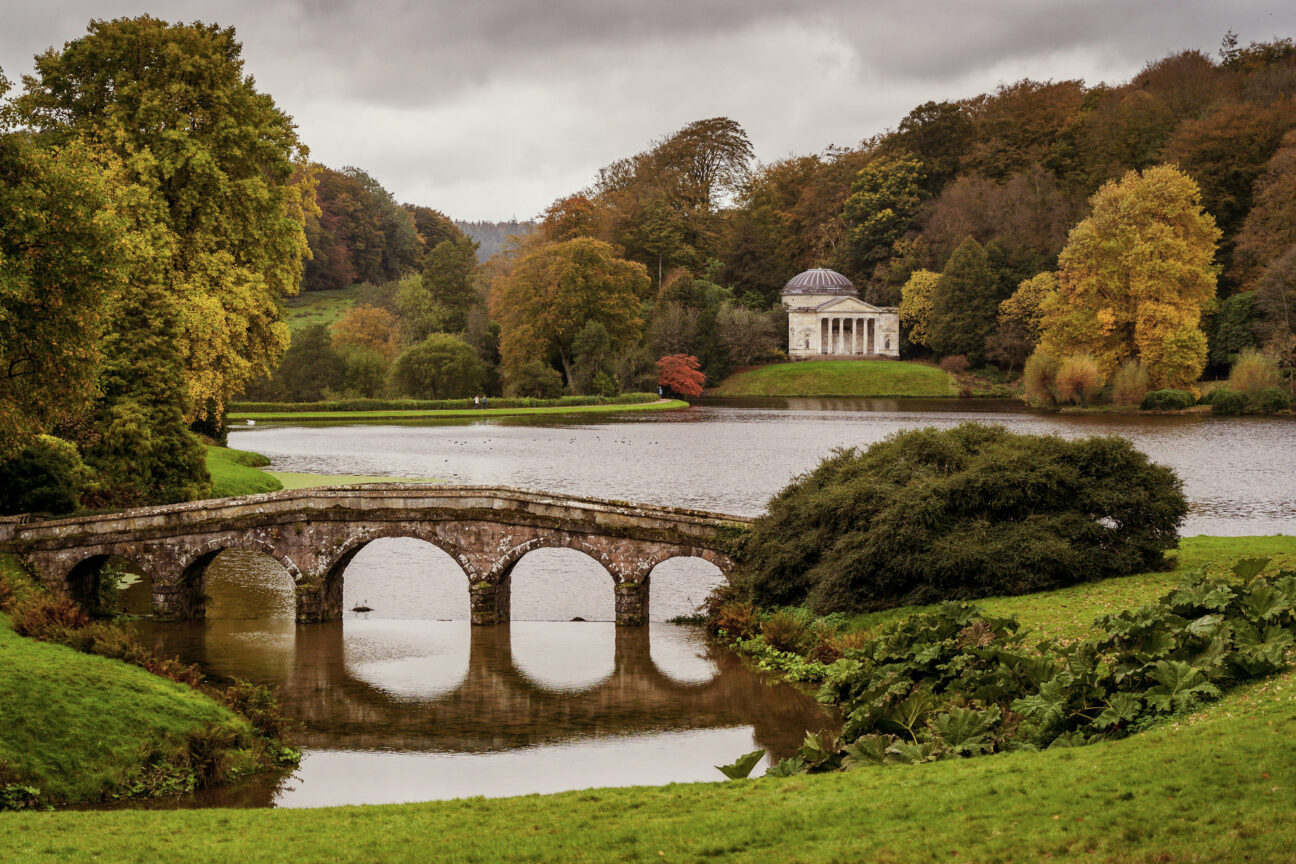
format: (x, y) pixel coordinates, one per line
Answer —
(954, 682)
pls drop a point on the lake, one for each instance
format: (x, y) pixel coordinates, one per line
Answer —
(407, 702)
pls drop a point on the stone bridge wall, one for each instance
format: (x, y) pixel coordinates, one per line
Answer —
(314, 533)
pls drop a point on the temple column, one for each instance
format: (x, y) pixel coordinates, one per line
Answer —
(859, 340)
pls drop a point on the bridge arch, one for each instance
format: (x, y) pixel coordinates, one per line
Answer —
(82, 581)
(335, 566)
(597, 574)
(186, 596)
(678, 586)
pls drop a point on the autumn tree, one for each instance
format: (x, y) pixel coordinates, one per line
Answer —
(1025, 307)
(555, 289)
(916, 305)
(60, 263)
(1134, 278)
(682, 374)
(367, 327)
(207, 159)
(965, 303)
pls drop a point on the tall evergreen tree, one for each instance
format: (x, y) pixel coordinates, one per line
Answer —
(965, 303)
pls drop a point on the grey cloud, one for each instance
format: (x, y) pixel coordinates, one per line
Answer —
(490, 109)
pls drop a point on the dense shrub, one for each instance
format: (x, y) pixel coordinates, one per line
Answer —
(439, 367)
(1224, 400)
(954, 682)
(47, 476)
(1167, 400)
(1271, 400)
(955, 364)
(1078, 379)
(1253, 371)
(536, 379)
(1129, 384)
(972, 511)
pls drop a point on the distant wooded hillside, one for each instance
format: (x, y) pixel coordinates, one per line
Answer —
(492, 237)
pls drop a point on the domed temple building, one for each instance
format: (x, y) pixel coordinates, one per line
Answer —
(826, 319)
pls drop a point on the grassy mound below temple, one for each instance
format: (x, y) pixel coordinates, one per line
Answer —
(874, 378)
(78, 727)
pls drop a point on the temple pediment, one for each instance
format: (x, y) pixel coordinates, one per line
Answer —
(847, 306)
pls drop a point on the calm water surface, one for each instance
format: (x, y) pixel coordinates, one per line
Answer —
(407, 702)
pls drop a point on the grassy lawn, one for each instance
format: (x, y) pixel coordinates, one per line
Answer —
(296, 416)
(1219, 785)
(838, 378)
(238, 472)
(75, 725)
(318, 307)
(1068, 613)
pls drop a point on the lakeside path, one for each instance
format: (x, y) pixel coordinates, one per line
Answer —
(452, 413)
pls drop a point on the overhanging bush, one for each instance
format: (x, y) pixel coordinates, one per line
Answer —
(1229, 402)
(1167, 400)
(973, 511)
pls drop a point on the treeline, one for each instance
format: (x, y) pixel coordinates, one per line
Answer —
(973, 206)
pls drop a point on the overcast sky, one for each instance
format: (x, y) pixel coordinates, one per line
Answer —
(491, 109)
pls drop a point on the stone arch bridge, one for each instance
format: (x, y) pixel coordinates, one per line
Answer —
(314, 533)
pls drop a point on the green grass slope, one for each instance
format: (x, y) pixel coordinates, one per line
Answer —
(1219, 785)
(878, 378)
(75, 725)
(318, 307)
(238, 472)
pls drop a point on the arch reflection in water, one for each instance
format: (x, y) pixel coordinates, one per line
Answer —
(559, 585)
(682, 653)
(403, 577)
(564, 656)
(416, 660)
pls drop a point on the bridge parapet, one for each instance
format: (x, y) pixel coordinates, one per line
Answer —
(314, 533)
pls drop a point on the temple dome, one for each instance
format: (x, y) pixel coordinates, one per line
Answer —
(820, 280)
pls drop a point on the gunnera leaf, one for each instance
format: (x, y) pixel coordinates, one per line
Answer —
(742, 767)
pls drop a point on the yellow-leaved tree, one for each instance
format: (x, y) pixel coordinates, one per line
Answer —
(554, 290)
(1135, 277)
(916, 305)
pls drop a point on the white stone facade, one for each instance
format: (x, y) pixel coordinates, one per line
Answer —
(826, 318)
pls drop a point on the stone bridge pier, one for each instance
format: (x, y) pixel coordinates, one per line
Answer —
(315, 533)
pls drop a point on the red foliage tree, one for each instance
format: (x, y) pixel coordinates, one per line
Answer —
(681, 373)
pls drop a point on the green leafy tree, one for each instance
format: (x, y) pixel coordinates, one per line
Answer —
(212, 164)
(1135, 277)
(883, 206)
(440, 367)
(311, 367)
(965, 304)
(60, 263)
(554, 290)
(447, 293)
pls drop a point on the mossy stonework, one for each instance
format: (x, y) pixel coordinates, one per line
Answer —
(314, 533)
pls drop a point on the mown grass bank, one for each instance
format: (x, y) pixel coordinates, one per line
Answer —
(319, 307)
(1069, 613)
(77, 727)
(875, 378)
(450, 413)
(1218, 785)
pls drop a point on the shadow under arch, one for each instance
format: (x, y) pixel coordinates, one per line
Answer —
(85, 584)
(678, 584)
(406, 553)
(191, 600)
(568, 593)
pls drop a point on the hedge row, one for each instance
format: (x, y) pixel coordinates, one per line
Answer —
(436, 404)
